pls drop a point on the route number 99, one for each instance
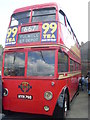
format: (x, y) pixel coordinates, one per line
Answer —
(47, 26)
(12, 31)
(49, 32)
(11, 35)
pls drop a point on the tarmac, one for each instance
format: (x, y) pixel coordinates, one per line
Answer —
(79, 106)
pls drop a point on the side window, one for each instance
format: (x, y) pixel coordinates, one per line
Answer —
(61, 17)
(62, 62)
(72, 65)
(68, 26)
(77, 66)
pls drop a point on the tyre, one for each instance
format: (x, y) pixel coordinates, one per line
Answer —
(65, 108)
(61, 112)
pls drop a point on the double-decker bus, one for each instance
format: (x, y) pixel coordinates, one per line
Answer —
(41, 61)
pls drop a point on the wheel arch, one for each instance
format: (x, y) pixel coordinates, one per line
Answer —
(61, 96)
(60, 101)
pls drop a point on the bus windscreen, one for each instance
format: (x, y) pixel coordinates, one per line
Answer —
(14, 64)
(41, 63)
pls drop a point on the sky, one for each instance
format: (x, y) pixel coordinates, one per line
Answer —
(76, 11)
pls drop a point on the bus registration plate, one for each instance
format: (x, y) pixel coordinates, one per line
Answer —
(28, 97)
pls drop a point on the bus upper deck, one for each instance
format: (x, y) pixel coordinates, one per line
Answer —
(39, 26)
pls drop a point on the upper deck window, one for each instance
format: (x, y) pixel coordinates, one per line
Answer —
(68, 25)
(45, 14)
(62, 17)
(20, 18)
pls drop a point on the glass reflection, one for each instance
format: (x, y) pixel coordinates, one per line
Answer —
(14, 64)
(41, 63)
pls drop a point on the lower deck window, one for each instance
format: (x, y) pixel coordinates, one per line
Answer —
(62, 62)
(14, 64)
(41, 63)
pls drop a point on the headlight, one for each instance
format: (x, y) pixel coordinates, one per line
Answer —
(46, 108)
(5, 92)
(48, 95)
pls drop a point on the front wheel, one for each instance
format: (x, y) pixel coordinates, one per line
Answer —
(61, 112)
(65, 106)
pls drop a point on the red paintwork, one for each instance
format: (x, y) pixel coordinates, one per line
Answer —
(39, 84)
(37, 104)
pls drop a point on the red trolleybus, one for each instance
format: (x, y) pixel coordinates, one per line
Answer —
(41, 61)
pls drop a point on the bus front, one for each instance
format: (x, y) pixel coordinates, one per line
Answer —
(29, 70)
